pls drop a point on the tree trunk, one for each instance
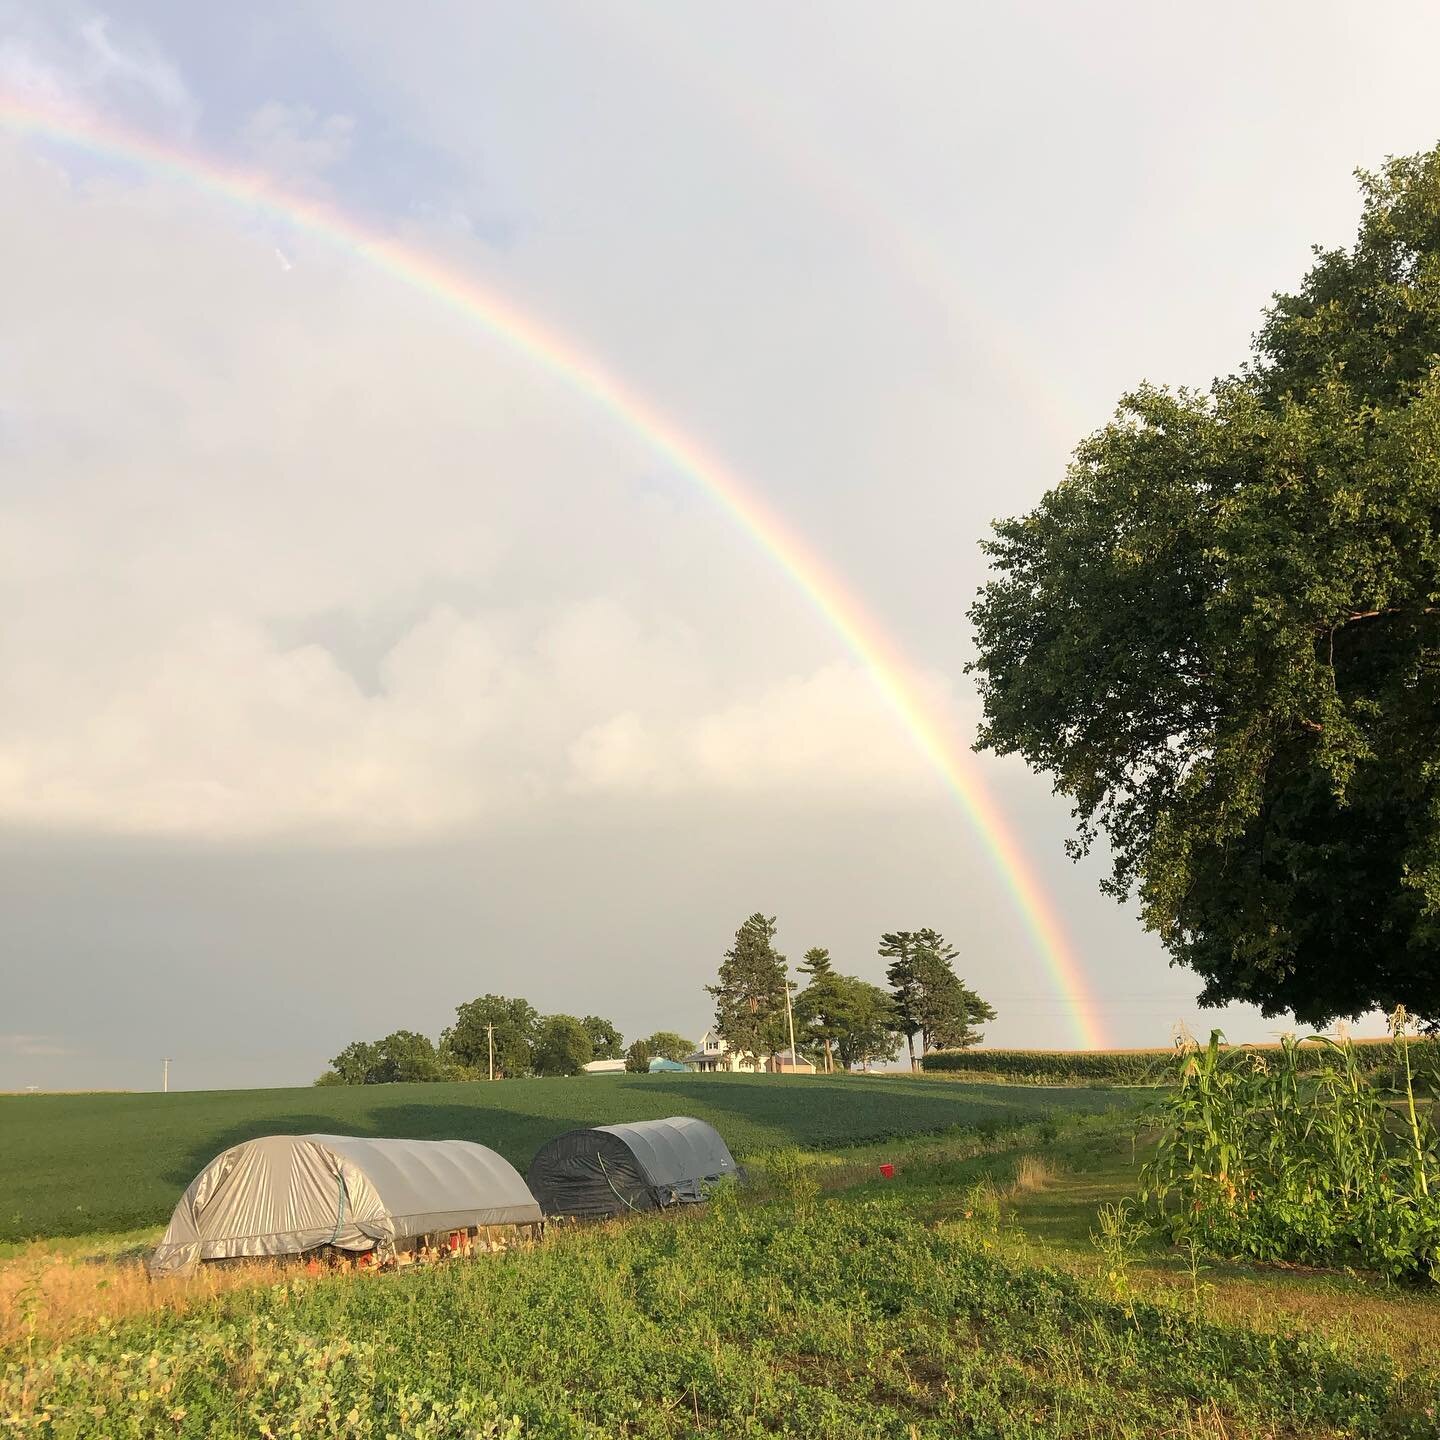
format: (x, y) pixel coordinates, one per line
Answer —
(829, 1063)
(910, 1041)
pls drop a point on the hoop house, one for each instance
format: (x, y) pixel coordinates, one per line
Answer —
(616, 1169)
(286, 1194)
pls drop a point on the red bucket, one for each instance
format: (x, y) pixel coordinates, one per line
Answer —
(888, 1171)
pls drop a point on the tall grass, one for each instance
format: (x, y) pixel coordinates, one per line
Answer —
(1277, 1157)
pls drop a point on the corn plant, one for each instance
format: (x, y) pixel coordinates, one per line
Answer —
(1308, 1153)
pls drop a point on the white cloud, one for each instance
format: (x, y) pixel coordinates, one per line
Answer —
(33, 1046)
(74, 57)
(294, 143)
(289, 553)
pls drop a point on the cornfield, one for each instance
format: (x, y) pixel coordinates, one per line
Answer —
(1149, 1067)
(1276, 1156)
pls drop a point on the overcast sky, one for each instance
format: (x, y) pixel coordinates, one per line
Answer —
(352, 666)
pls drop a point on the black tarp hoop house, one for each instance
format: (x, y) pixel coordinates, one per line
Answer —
(617, 1169)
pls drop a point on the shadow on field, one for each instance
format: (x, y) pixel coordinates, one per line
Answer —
(809, 1110)
(511, 1132)
(204, 1151)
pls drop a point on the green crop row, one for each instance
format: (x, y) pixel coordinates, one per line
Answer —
(75, 1164)
(1147, 1067)
(845, 1319)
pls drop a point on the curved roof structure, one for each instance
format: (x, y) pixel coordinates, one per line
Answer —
(612, 1169)
(285, 1194)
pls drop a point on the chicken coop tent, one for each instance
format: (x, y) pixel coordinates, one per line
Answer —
(286, 1194)
(613, 1169)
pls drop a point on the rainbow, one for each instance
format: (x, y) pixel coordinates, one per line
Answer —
(561, 357)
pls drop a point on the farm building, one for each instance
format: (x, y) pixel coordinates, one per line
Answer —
(714, 1056)
(787, 1064)
(613, 1169)
(603, 1067)
(288, 1194)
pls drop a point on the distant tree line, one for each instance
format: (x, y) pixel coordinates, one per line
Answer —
(525, 1043)
(841, 1020)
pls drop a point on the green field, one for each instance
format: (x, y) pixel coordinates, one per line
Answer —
(75, 1164)
(824, 1302)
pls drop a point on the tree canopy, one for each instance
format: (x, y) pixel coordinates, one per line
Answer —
(606, 1041)
(562, 1046)
(668, 1045)
(404, 1055)
(928, 999)
(750, 992)
(1220, 636)
(516, 1022)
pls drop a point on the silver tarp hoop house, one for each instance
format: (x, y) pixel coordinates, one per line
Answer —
(286, 1194)
(616, 1169)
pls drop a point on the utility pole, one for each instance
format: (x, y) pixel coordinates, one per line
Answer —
(790, 1021)
(165, 1084)
(490, 1036)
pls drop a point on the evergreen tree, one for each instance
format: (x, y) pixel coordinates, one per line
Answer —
(750, 995)
(816, 1004)
(946, 1008)
(899, 947)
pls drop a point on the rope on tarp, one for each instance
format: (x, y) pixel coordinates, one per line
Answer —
(611, 1184)
(339, 1207)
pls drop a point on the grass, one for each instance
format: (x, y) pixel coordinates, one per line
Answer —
(965, 1296)
(915, 1308)
(79, 1164)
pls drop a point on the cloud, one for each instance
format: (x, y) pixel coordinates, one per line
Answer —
(33, 1046)
(291, 554)
(70, 56)
(294, 143)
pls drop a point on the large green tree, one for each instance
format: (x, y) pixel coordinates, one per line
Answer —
(1220, 636)
(607, 1042)
(867, 1030)
(929, 999)
(750, 992)
(356, 1063)
(562, 1046)
(516, 1023)
(404, 1055)
(669, 1045)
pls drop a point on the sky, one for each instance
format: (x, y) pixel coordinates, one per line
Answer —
(353, 664)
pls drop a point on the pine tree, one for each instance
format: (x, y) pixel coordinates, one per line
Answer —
(816, 1005)
(750, 995)
(946, 1008)
(899, 946)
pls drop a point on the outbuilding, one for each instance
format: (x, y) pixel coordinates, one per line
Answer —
(616, 1169)
(289, 1194)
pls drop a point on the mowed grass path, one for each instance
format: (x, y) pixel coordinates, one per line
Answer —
(74, 1164)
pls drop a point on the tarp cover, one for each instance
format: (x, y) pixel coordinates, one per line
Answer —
(612, 1169)
(285, 1194)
